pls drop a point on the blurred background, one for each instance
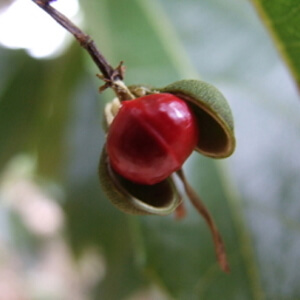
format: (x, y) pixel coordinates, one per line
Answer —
(60, 238)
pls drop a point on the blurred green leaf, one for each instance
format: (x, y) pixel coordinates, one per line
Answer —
(52, 109)
(265, 166)
(176, 255)
(58, 90)
(282, 19)
(34, 107)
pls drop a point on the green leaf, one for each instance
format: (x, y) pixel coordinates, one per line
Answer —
(19, 103)
(58, 94)
(265, 104)
(35, 107)
(281, 17)
(179, 256)
(52, 109)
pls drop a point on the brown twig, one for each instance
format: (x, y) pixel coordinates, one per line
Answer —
(112, 76)
(199, 205)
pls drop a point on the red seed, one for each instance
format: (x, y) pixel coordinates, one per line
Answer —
(151, 137)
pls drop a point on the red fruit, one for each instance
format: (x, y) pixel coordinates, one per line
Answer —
(151, 137)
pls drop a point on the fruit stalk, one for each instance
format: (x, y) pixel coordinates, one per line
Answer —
(113, 77)
(199, 205)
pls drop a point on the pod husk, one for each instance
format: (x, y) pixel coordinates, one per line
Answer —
(214, 117)
(158, 199)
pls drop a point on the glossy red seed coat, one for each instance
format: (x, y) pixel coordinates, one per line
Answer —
(151, 137)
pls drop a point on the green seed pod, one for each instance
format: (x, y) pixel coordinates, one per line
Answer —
(213, 113)
(158, 199)
(216, 139)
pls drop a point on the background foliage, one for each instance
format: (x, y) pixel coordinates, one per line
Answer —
(51, 139)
